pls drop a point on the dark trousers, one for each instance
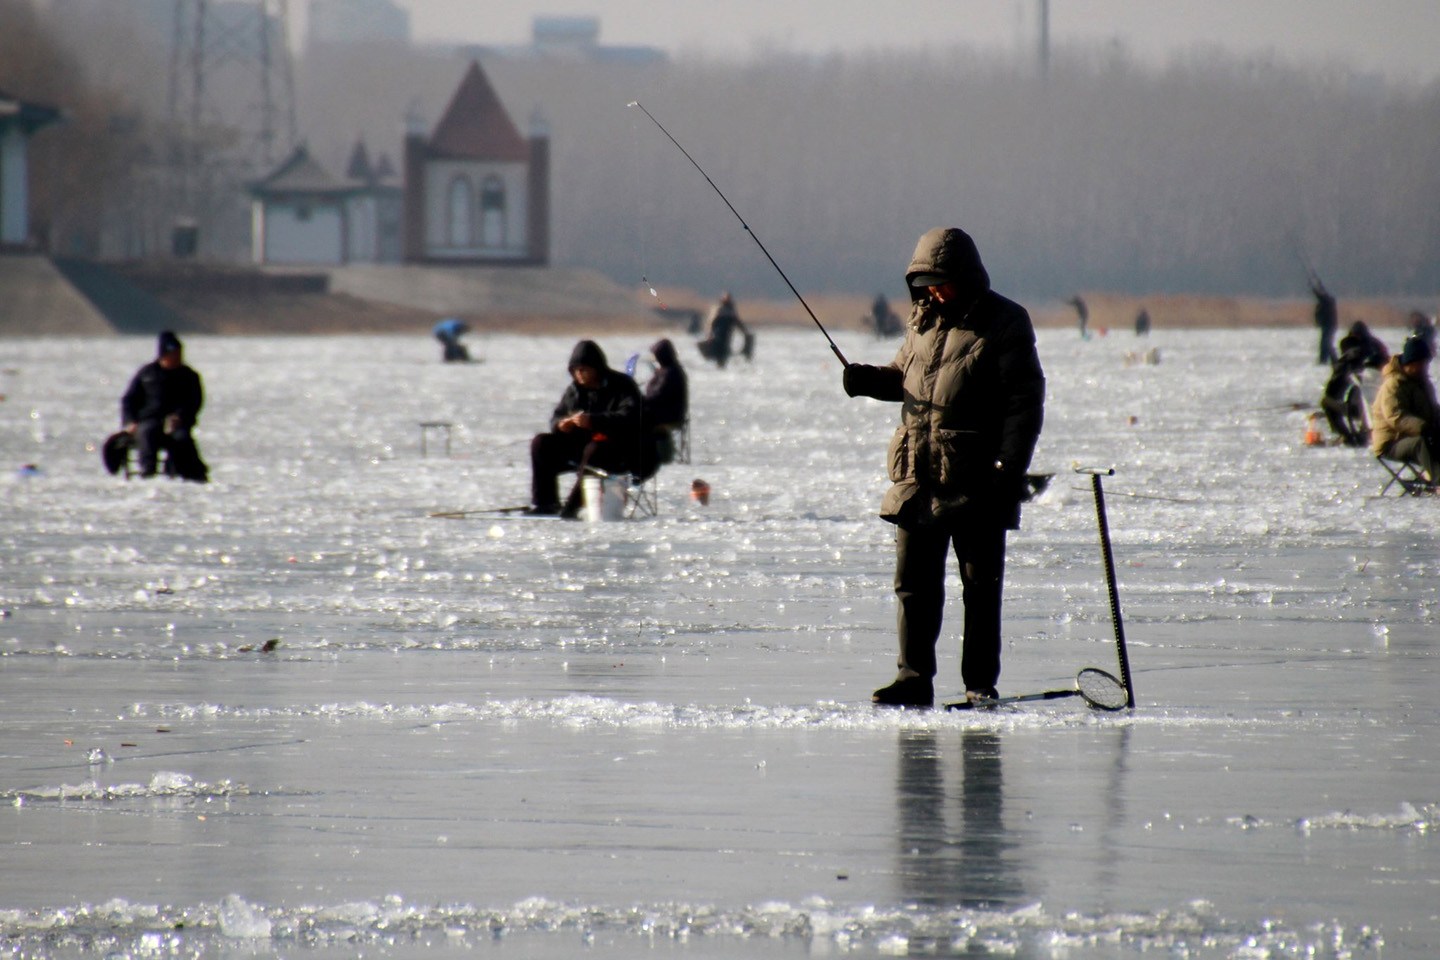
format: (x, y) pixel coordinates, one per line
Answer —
(1423, 451)
(182, 456)
(1346, 419)
(1327, 345)
(920, 561)
(552, 454)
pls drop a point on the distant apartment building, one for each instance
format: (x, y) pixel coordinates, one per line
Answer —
(229, 27)
(341, 22)
(19, 121)
(568, 38)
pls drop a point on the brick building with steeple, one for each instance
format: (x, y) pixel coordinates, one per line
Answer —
(476, 191)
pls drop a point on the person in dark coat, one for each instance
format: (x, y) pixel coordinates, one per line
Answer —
(1344, 401)
(595, 424)
(663, 408)
(159, 410)
(724, 321)
(1082, 315)
(1423, 327)
(882, 319)
(1327, 318)
(972, 397)
(1363, 348)
(667, 393)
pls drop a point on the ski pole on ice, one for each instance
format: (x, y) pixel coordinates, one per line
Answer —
(1095, 474)
(836, 350)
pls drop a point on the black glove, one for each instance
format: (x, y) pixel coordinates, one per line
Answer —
(1009, 485)
(863, 380)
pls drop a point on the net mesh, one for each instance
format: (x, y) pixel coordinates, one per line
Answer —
(1102, 690)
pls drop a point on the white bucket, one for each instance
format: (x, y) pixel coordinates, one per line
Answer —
(604, 499)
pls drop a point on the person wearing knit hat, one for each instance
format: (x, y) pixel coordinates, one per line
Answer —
(1405, 417)
(159, 410)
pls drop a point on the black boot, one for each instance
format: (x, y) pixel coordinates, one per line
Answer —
(906, 692)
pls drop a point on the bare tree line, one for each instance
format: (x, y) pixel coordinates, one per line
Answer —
(1211, 175)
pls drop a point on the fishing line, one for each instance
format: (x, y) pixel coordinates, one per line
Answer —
(1149, 496)
(198, 751)
(1247, 664)
(462, 514)
(642, 243)
(836, 350)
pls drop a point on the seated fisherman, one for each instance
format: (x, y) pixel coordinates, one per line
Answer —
(596, 424)
(159, 410)
(664, 407)
(1344, 401)
(1364, 347)
(1405, 419)
(1423, 327)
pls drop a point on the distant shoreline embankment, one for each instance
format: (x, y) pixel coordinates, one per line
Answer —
(66, 297)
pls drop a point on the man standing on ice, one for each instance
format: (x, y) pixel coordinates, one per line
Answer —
(1327, 317)
(724, 320)
(972, 397)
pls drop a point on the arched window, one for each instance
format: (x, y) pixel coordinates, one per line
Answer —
(492, 212)
(461, 232)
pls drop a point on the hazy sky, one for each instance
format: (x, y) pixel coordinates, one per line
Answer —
(1400, 38)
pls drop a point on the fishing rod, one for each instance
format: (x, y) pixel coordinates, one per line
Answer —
(462, 514)
(1145, 496)
(1298, 250)
(836, 350)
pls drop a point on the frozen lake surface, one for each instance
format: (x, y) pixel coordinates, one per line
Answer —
(525, 738)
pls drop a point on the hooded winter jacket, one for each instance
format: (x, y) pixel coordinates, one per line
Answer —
(972, 393)
(1404, 406)
(667, 395)
(614, 406)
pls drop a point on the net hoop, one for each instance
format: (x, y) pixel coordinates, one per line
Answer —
(1102, 690)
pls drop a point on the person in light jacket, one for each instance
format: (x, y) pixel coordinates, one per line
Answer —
(972, 396)
(1405, 418)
